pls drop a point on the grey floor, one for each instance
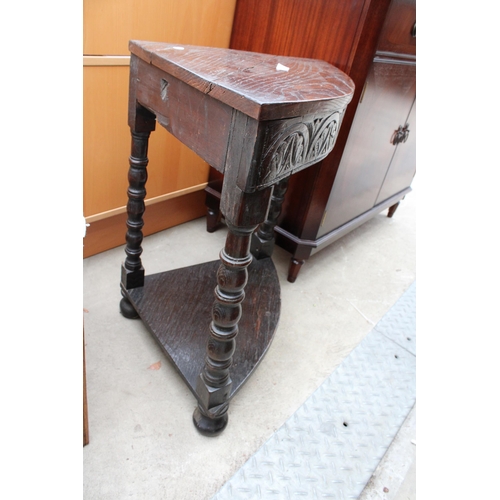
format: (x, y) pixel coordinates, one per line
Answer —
(142, 441)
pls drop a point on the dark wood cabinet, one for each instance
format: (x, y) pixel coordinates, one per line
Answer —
(373, 163)
(370, 172)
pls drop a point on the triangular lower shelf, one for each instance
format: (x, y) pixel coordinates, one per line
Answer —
(176, 307)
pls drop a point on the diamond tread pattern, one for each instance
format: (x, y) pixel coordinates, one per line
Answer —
(399, 324)
(333, 443)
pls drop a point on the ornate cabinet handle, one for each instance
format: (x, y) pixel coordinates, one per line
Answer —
(400, 135)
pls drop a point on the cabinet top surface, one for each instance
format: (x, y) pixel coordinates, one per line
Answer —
(249, 81)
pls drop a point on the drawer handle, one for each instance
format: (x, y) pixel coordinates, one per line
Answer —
(414, 30)
(400, 135)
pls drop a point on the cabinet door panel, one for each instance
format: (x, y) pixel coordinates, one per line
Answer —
(388, 96)
(398, 34)
(403, 164)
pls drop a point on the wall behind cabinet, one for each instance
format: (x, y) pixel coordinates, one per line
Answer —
(176, 176)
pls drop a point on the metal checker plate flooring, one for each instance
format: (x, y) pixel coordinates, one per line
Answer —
(333, 443)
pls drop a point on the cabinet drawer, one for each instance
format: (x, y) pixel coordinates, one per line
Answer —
(399, 31)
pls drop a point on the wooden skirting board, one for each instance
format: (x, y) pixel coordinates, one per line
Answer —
(109, 232)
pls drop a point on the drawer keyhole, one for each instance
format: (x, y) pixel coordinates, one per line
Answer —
(164, 89)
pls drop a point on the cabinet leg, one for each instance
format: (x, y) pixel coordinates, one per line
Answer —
(212, 200)
(214, 383)
(262, 244)
(392, 209)
(293, 270)
(213, 219)
(132, 270)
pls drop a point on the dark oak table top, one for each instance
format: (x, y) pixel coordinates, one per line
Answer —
(255, 84)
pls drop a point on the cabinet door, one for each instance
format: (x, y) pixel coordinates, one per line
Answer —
(403, 164)
(387, 97)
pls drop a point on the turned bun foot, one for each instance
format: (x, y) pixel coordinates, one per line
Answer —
(210, 427)
(127, 309)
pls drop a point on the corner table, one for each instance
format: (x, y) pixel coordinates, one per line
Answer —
(258, 119)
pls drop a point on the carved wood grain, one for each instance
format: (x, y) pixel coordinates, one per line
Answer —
(250, 82)
(293, 145)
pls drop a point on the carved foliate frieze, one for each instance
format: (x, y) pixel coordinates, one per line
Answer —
(292, 147)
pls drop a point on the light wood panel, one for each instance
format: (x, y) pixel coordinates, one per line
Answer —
(106, 60)
(109, 24)
(110, 232)
(172, 167)
(176, 175)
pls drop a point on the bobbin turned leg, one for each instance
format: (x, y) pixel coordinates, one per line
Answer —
(214, 385)
(243, 212)
(132, 270)
(262, 244)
